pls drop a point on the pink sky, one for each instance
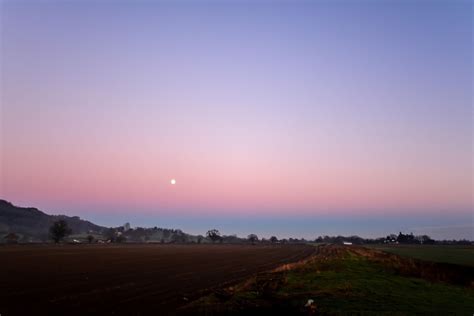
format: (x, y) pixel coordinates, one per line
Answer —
(250, 114)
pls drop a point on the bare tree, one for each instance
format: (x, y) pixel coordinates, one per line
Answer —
(214, 235)
(59, 230)
(252, 238)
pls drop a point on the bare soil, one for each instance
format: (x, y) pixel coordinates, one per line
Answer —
(126, 279)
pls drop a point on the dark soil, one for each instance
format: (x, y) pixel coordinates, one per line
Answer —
(126, 279)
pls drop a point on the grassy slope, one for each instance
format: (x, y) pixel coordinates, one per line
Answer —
(356, 284)
(463, 255)
(342, 284)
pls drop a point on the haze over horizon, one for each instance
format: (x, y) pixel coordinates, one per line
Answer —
(289, 118)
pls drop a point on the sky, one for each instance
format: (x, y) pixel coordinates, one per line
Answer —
(294, 118)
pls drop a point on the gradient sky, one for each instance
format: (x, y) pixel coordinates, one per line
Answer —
(298, 118)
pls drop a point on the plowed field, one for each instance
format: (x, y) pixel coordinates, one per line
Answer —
(126, 279)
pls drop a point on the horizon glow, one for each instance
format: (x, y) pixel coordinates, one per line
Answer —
(261, 110)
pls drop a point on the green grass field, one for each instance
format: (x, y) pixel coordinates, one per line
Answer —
(463, 255)
(358, 285)
(344, 282)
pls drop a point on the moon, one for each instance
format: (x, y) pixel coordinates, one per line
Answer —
(173, 181)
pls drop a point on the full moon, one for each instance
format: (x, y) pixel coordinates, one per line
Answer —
(173, 181)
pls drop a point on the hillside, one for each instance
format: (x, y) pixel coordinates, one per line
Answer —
(32, 224)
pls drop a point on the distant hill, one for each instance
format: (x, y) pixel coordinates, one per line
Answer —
(32, 224)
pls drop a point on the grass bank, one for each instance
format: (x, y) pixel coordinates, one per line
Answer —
(347, 281)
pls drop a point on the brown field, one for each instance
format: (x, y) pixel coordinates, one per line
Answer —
(126, 279)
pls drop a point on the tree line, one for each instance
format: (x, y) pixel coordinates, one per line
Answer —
(60, 230)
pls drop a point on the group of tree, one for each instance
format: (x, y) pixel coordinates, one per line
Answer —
(215, 236)
(409, 239)
(392, 238)
(60, 230)
(356, 240)
(155, 234)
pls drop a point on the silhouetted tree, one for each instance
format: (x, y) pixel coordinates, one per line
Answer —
(406, 239)
(59, 230)
(90, 239)
(214, 235)
(252, 238)
(273, 239)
